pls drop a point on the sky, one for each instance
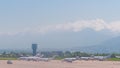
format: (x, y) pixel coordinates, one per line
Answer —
(58, 23)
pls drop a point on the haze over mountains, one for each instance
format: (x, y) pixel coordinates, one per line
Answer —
(56, 40)
(109, 46)
(66, 35)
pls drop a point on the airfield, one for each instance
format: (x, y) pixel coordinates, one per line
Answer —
(59, 64)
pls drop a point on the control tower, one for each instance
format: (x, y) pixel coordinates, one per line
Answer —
(34, 48)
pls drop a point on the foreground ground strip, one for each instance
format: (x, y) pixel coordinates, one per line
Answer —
(59, 64)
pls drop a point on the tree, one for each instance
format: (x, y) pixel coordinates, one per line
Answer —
(113, 56)
(68, 54)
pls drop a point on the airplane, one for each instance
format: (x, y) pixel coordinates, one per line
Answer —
(85, 58)
(69, 60)
(100, 58)
(34, 58)
(44, 59)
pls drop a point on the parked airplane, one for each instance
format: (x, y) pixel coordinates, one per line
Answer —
(34, 58)
(100, 58)
(85, 58)
(69, 59)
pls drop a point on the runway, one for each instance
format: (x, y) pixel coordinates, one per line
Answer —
(59, 64)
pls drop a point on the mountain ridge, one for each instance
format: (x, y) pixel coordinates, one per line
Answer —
(109, 46)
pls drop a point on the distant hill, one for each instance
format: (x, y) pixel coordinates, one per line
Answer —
(109, 46)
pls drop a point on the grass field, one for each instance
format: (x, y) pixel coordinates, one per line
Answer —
(114, 59)
(2, 58)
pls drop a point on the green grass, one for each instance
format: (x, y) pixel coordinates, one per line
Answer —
(58, 58)
(114, 59)
(2, 58)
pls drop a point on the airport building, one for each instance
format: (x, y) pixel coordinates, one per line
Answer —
(34, 48)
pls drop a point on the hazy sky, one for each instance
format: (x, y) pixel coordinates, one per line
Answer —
(58, 23)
